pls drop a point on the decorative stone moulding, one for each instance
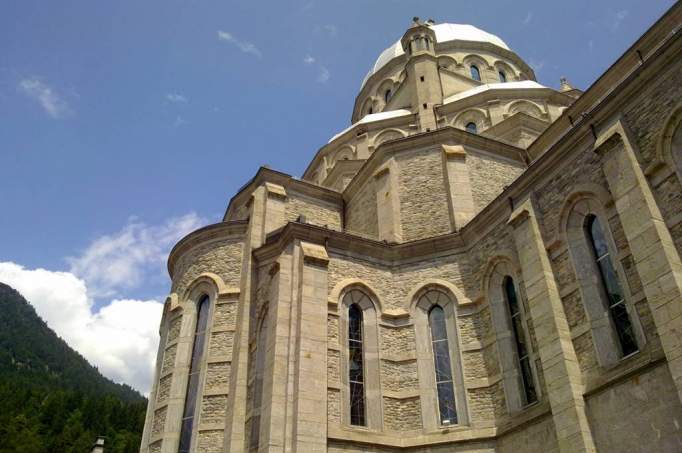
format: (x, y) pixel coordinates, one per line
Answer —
(172, 302)
(275, 190)
(314, 254)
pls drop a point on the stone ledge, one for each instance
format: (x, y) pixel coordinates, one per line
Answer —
(314, 254)
(405, 440)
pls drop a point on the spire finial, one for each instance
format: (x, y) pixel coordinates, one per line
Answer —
(565, 85)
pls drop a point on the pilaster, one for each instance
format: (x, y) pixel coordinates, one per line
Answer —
(656, 258)
(388, 203)
(461, 204)
(236, 403)
(310, 355)
(557, 355)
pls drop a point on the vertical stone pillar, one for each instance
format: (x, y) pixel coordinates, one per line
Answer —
(276, 400)
(235, 437)
(388, 204)
(310, 354)
(559, 361)
(656, 258)
(461, 204)
(275, 202)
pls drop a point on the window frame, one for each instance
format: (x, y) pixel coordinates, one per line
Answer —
(605, 342)
(424, 301)
(475, 75)
(196, 304)
(599, 262)
(510, 367)
(471, 130)
(366, 301)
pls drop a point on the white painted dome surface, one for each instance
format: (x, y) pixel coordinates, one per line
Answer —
(444, 33)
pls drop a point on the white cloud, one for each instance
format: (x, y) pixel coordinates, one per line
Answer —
(244, 46)
(176, 98)
(617, 18)
(49, 100)
(528, 18)
(121, 339)
(122, 260)
(324, 75)
(308, 59)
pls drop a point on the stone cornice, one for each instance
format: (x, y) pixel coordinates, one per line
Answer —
(267, 175)
(518, 120)
(505, 93)
(234, 229)
(444, 136)
(353, 131)
(388, 254)
(609, 85)
(340, 168)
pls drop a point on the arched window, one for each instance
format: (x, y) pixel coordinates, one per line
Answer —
(194, 372)
(443, 395)
(503, 76)
(515, 314)
(471, 128)
(611, 287)
(445, 389)
(356, 371)
(387, 95)
(369, 111)
(475, 73)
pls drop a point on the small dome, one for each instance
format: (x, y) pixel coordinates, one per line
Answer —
(444, 33)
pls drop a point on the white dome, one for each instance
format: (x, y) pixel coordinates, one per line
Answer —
(444, 33)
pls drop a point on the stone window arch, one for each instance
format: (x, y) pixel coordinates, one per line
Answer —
(437, 385)
(670, 143)
(596, 292)
(475, 116)
(527, 107)
(200, 317)
(363, 338)
(510, 319)
(471, 127)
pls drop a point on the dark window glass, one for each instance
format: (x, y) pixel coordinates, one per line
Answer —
(503, 76)
(193, 380)
(387, 95)
(442, 367)
(356, 376)
(471, 127)
(611, 287)
(516, 320)
(475, 73)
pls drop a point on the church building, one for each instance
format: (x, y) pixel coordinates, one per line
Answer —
(478, 263)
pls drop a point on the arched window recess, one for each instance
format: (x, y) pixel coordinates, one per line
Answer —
(611, 287)
(475, 73)
(198, 346)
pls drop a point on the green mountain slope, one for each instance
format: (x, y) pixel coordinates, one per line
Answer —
(51, 398)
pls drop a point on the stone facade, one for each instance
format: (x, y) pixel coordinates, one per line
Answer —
(461, 264)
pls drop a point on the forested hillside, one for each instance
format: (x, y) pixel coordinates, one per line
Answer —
(51, 398)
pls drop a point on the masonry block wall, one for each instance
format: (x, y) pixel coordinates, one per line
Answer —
(443, 218)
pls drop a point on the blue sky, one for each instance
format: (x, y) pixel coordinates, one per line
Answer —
(125, 124)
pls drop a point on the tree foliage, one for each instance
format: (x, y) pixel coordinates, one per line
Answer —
(51, 398)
